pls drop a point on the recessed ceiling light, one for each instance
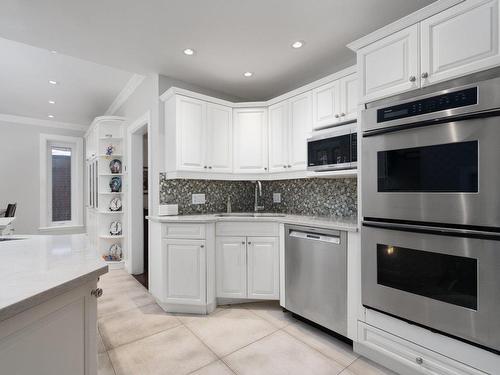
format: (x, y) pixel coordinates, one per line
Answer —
(248, 74)
(50, 116)
(189, 51)
(297, 44)
(53, 82)
(52, 102)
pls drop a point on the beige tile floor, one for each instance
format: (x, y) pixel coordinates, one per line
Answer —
(136, 337)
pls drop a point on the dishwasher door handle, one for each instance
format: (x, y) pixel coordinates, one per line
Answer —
(315, 237)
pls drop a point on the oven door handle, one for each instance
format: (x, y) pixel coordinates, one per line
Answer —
(440, 231)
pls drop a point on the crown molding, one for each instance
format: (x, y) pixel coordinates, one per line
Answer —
(403, 23)
(125, 93)
(13, 119)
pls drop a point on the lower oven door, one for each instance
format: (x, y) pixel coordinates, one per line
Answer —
(440, 173)
(445, 280)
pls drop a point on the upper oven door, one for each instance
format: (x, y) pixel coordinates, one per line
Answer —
(444, 173)
(445, 279)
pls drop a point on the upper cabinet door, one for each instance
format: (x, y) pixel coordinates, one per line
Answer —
(263, 267)
(250, 140)
(191, 120)
(326, 105)
(300, 125)
(390, 66)
(461, 40)
(349, 97)
(219, 138)
(278, 137)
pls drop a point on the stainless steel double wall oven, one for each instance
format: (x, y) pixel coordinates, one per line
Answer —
(431, 208)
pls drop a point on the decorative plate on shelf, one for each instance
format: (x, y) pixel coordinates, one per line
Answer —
(115, 229)
(114, 253)
(115, 166)
(115, 184)
(115, 204)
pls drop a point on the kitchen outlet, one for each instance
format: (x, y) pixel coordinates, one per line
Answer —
(277, 197)
(198, 198)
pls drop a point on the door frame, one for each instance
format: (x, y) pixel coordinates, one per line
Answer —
(134, 262)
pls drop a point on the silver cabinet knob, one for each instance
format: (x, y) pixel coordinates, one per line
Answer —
(205, 167)
(249, 243)
(337, 115)
(424, 75)
(210, 167)
(419, 360)
(202, 246)
(342, 114)
(289, 166)
(265, 168)
(412, 78)
(243, 242)
(284, 166)
(97, 292)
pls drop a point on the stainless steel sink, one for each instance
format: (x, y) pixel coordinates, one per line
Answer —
(250, 214)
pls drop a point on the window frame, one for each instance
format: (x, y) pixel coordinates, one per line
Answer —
(47, 142)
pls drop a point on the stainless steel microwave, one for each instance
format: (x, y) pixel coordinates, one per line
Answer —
(333, 149)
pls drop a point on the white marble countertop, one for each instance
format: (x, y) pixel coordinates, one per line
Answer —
(37, 268)
(347, 224)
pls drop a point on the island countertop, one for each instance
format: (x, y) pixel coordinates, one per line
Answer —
(34, 269)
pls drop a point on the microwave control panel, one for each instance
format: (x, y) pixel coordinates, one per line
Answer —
(437, 103)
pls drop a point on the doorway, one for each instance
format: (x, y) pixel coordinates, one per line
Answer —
(139, 163)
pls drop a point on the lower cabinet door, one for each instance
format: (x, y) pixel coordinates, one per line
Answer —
(263, 267)
(231, 269)
(185, 265)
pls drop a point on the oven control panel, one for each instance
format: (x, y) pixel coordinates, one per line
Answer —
(437, 103)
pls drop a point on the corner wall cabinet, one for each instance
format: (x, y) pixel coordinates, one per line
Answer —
(104, 143)
(457, 41)
(210, 138)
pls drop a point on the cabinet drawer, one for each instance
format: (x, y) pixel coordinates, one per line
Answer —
(414, 359)
(248, 228)
(184, 231)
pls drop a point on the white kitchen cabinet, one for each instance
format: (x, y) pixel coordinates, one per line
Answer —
(263, 267)
(191, 133)
(231, 269)
(250, 140)
(290, 122)
(219, 138)
(349, 97)
(278, 137)
(460, 40)
(182, 258)
(390, 66)
(300, 126)
(326, 104)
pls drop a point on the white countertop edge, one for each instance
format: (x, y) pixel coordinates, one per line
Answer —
(34, 300)
(349, 225)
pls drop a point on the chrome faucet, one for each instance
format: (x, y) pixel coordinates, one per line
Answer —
(258, 192)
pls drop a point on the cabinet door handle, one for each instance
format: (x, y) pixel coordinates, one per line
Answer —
(425, 75)
(265, 168)
(205, 167)
(342, 114)
(210, 167)
(412, 78)
(202, 246)
(419, 360)
(284, 166)
(249, 243)
(243, 242)
(96, 292)
(337, 115)
(289, 166)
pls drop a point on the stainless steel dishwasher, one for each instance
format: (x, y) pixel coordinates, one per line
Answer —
(316, 275)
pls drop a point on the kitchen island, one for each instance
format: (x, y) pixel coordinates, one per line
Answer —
(48, 306)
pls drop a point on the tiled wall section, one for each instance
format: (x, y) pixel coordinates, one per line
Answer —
(317, 197)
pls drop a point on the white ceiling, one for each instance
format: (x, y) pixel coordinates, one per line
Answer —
(84, 90)
(229, 36)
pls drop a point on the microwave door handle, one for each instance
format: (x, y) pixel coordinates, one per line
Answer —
(440, 231)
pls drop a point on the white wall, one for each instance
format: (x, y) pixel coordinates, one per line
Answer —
(20, 171)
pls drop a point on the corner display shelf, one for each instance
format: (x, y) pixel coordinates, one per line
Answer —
(105, 132)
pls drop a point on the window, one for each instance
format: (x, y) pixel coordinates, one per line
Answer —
(61, 187)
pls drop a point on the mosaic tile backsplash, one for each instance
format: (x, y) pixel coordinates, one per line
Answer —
(315, 197)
